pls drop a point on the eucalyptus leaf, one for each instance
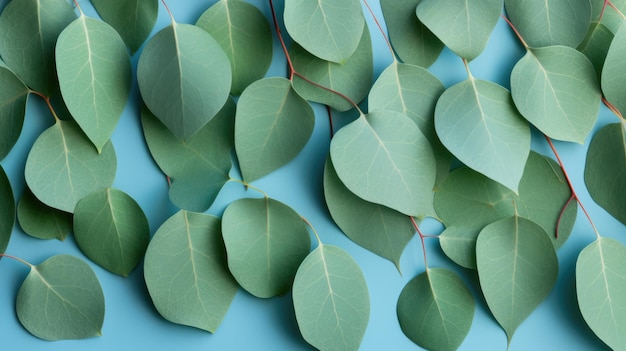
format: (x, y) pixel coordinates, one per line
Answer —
(64, 154)
(184, 78)
(331, 299)
(61, 299)
(517, 268)
(601, 290)
(555, 88)
(40, 220)
(186, 272)
(272, 125)
(94, 75)
(436, 309)
(613, 73)
(596, 45)
(242, 31)
(7, 210)
(13, 97)
(266, 241)
(611, 18)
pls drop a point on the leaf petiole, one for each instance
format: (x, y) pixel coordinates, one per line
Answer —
(17, 259)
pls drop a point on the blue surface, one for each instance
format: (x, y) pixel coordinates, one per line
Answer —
(131, 321)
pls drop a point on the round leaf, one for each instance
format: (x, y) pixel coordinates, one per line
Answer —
(41, 221)
(7, 211)
(613, 73)
(13, 97)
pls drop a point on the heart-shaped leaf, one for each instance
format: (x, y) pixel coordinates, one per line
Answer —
(7, 210)
(40, 220)
(613, 74)
(13, 97)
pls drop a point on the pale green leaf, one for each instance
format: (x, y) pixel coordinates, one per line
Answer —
(41, 221)
(7, 210)
(613, 73)
(596, 45)
(111, 229)
(611, 18)
(477, 121)
(601, 290)
(384, 158)
(555, 88)
(186, 271)
(272, 125)
(435, 309)
(61, 299)
(353, 77)
(331, 300)
(266, 241)
(63, 166)
(184, 78)
(463, 25)
(328, 29)
(13, 97)
(245, 36)
(94, 75)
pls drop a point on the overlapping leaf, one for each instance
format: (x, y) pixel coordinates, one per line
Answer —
(13, 97)
(596, 45)
(7, 210)
(613, 73)
(611, 17)
(40, 220)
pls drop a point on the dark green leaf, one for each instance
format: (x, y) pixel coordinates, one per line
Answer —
(613, 73)
(7, 210)
(596, 45)
(13, 97)
(41, 221)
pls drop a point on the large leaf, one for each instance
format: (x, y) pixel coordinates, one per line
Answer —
(94, 75)
(411, 40)
(63, 154)
(517, 268)
(266, 242)
(7, 210)
(13, 97)
(601, 290)
(377, 228)
(477, 121)
(596, 45)
(464, 26)
(184, 77)
(550, 22)
(435, 309)
(133, 19)
(112, 230)
(605, 169)
(272, 125)
(186, 272)
(40, 220)
(555, 88)
(245, 36)
(61, 298)
(331, 300)
(613, 73)
(353, 77)
(384, 158)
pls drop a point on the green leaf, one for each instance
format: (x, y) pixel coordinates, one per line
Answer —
(610, 18)
(266, 242)
(41, 221)
(331, 300)
(550, 22)
(353, 77)
(272, 125)
(186, 273)
(555, 88)
(328, 29)
(133, 19)
(613, 73)
(435, 309)
(605, 169)
(464, 26)
(112, 230)
(596, 45)
(601, 290)
(517, 268)
(7, 210)
(242, 31)
(384, 158)
(28, 34)
(94, 75)
(13, 97)
(477, 121)
(411, 40)
(63, 166)
(184, 78)
(61, 299)
(374, 227)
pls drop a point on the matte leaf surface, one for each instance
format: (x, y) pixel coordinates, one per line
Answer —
(7, 210)
(13, 97)
(331, 300)
(40, 220)
(596, 45)
(610, 18)
(613, 73)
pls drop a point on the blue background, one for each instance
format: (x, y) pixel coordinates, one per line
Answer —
(131, 321)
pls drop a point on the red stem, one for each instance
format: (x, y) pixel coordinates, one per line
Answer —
(380, 28)
(419, 232)
(517, 33)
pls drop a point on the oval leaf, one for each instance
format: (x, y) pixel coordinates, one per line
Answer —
(613, 73)
(61, 299)
(331, 300)
(41, 221)
(13, 97)
(7, 210)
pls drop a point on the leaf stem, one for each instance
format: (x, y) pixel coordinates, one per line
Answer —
(613, 108)
(382, 31)
(614, 8)
(248, 186)
(78, 7)
(419, 232)
(168, 11)
(47, 100)
(517, 33)
(317, 237)
(17, 259)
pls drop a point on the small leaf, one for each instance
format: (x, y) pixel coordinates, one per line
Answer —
(266, 242)
(41, 221)
(112, 230)
(555, 88)
(185, 271)
(242, 31)
(61, 299)
(272, 125)
(601, 290)
(596, 45)
(13, 97)
(331, 300)
(384, 158)
(184, 78)
(7, 210)
(435, 309)
(517, 268)
(613, 74)
(63, 153)
(94, 75)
